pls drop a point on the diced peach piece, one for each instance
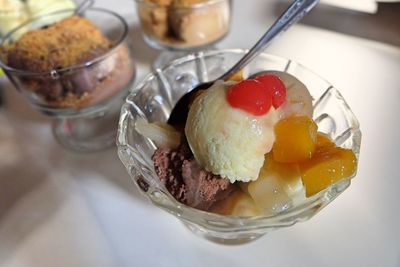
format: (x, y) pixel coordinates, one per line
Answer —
(295, 139)
(328, 165)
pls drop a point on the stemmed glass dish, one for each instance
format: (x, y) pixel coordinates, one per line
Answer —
(180, 26)
(155, 96)
(83, 98)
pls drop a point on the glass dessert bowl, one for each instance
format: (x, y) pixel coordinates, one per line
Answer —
(152, 101)
(179, 26)
(76, 69)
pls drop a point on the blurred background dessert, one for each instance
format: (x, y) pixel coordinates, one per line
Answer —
(183, 23)
(177, 27)
(15, 12)
(70, 42)
(76, 67)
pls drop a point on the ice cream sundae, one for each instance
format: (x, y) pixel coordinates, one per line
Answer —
(249, 148)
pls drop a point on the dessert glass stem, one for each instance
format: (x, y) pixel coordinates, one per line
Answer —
(88, 133)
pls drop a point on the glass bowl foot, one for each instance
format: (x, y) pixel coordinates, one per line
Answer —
(224, 238)
(87, 133)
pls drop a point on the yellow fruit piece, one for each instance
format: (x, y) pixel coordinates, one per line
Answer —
(238, 204)
(268, 192)
(328, 165)
(295, 139)
(286, 170)
(244, 206)
(324, 141)
(237, 77)
(289, 178)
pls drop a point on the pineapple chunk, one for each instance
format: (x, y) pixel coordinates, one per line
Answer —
(278, 186)
(268, 193)
(289, 178)
(162, 134)
(238, 204)
(295, 139)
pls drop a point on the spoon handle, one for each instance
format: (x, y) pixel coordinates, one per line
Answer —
(81, 8)
(296, 11)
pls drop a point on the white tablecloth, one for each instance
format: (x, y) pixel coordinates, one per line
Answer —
(59, 208)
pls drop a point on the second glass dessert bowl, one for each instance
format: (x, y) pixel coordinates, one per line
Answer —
(152, 101)
(85, 97)
(180, 26)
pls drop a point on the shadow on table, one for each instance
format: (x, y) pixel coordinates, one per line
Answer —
(26, 202)
(18, 106)
(30, 162)
(105, 165)
(384, 26)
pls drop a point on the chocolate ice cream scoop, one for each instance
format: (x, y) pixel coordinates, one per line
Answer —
(187, 181)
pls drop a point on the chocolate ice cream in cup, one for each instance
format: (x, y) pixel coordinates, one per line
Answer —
(75, 69)
(152, 100)
(180, 26)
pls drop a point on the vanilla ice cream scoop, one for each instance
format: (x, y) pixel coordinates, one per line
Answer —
(298, 98)
(228, 141)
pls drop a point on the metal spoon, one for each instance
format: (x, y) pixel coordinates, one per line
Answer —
(81, 8)
(297, 10)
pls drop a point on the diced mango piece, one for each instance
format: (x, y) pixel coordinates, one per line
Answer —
(295, 139)
(237, 77)
(287, 171)
(238, 204)
(328, 165)
(323, 141)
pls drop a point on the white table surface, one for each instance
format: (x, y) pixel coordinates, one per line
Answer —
(59, 208)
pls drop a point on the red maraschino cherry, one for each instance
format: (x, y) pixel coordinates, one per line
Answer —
(250, 96)
(275, 85)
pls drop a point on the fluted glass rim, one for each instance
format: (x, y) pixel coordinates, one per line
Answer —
(74, 67)
(201, 5)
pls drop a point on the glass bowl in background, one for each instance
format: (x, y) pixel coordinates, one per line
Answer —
(153, 100)
(178, 27)
(84, 98)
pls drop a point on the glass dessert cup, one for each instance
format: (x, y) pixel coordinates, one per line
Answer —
(153, 100)
(178, 29)
(87, 115)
